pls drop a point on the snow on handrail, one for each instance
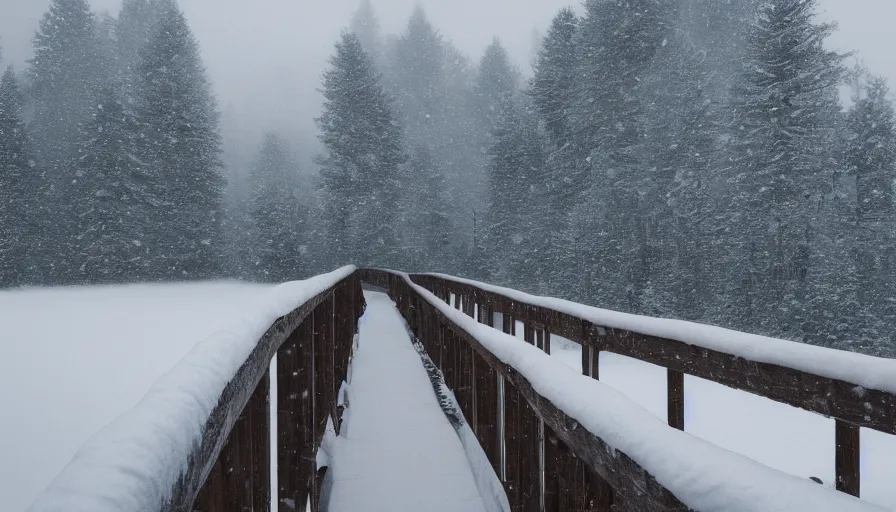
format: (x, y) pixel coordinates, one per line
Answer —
(134, 463)
(867, 371)
(703, 476)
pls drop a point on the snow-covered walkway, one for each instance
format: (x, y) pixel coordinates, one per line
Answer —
(397, 451)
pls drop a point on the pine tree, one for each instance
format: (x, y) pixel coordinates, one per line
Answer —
(616, 46)
(496, 83)
(108, 244)
(555, 75)
(429, 223)
(784, 107)
(551, 90)
(366, 25)
(280, 220)
(871, 160)
(17, 181)
(360, 171)
(416, 76)
(68, 65)
(181, 148)
(428, 78)
(516, 165)
(679, 247)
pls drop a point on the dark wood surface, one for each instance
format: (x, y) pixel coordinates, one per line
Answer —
(853, 406)
(230, 469)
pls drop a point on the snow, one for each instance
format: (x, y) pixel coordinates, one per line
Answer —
(132, 463)
(74, 359)
(866, 371)
(780, 436)
(704, 476)
(397, 450)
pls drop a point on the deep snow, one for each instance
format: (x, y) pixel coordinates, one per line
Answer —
(397, 451)
(700, 473)
(74, 359)
(134, 462)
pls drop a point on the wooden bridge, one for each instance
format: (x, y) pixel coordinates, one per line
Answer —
(537, 438)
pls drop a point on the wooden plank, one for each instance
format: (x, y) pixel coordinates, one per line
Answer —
(569, 483)
(614, 467)
(854, 404)
(240, 480)
(847, 458)
(675, 392)
(233, 400)
(586, 361)
(295, 438)
(487, 410)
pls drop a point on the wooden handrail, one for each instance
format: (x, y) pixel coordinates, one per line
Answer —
(230, 470)
(852, 406)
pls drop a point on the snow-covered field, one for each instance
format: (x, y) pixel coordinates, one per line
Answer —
(72, 360)
(775, 434)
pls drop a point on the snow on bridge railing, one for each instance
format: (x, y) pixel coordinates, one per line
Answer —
(564, 441)
(200, 439)
(854, 389)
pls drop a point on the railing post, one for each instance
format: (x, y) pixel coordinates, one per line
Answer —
(241, 478)
(590, 351)
(295, 406)
(847, 457)
(675, 399)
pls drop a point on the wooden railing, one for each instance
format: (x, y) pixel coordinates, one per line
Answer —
(313, 345)
(541, 455)
(527, 438)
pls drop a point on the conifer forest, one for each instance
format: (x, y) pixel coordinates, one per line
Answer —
(707, 160)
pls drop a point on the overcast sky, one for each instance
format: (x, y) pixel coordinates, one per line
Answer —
(266, 56)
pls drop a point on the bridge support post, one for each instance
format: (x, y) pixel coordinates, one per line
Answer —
(240, 479)
(847, 458)
(676, 399)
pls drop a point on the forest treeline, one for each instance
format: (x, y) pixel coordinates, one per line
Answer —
(677, 158)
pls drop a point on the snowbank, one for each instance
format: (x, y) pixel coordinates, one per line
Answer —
(133, 463)
(866, 371)
(703, 476)
(73, 359)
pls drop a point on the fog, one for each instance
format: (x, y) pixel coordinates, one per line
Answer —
(265, 57)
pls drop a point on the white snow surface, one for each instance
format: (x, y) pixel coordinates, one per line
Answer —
(132, 463)
(705, 477)
(866, 371)
(397, 450)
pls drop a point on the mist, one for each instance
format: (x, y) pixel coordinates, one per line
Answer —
(473, 127)
(265, 57)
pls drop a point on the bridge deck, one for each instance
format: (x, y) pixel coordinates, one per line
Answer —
(398, 451)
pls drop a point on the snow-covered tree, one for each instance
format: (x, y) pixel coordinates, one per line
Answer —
(496, 82)
(555, 76)
(360, 170)
(366, 25)
(679, 146)
(516, 167)
(429, 79)
(871, 160)
(181, 148)
(551, 90)
(109, 216)
(68, 64)
(615, 48)
(430, 227)
(784, 108)
(18, 182)
(279, 217)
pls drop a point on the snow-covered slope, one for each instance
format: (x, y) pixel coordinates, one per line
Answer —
(74, 359)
